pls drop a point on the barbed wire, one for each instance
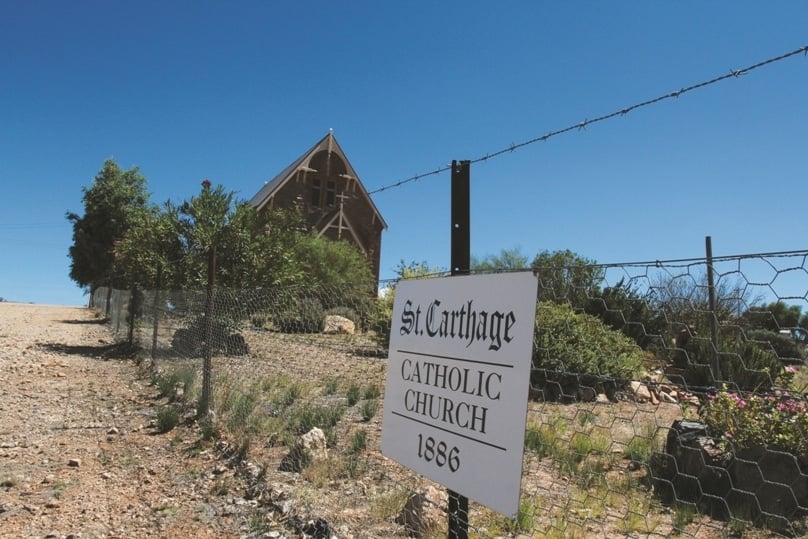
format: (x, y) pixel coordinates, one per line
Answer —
(583, 124)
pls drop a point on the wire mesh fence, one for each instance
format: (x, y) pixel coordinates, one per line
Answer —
(665, 398)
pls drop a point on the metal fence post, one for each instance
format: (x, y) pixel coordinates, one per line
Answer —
(461, 260)
(715, 366)
(156, 316)
(206, 400)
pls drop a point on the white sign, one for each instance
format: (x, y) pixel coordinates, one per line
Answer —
(457, 382)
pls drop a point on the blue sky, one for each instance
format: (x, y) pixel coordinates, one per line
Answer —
(235, 91)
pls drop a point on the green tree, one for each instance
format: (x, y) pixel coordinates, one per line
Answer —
(507, 260)
(628, 309)
(202, 223)
(566, 277)
(774, 316)
(684, 300)
(334, 264)
(152, 248)
(213, 220)
(112, 205)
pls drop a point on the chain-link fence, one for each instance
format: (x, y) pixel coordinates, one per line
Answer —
(666, 398)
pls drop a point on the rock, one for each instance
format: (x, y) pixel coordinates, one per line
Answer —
(74, 463)
(755, 483)
(309, 448)
(113, 430)
(667, 397)
(318, 529)
(602, 398)
(424, 513)
(587, 394)
(335, 324)
(640, 391)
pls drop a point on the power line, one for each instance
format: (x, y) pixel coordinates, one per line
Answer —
(622, 112)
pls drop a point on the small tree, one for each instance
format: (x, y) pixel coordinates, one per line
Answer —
(507, 260)
(152, 247)
(566, 277)
(774, 316)
(628, 309)
(112, 205)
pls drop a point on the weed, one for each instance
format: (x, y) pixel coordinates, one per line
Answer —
(176, 384)
(58, 488)
(543, 439)
(369, 409)
(320, 472)
(207, 428)
(638, 517)
(642, 446)
(290, 394)
(353, 466)
(330, 386)
(372, 392)
(168, 417)
(683, 514)
(221, 488)
(303, 419)
(387, 505)
(586, 417)
(359, 441)
(258, 524)
(352, 394)
(521, 524)
(241, 408)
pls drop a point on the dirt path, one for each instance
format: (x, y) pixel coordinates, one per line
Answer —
(78, 453)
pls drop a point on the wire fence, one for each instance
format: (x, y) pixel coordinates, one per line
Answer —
(666, 397)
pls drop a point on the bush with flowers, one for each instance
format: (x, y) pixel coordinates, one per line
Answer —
(777, 421)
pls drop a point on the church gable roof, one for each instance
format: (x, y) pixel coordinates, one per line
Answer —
(327, 144)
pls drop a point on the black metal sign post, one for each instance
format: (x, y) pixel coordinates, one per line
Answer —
(461, 260)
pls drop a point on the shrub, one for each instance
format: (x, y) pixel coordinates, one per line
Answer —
(301, 315)
(188, 342)
(742, 362)
(784, 346)
(623, 307)
(741, 421)
(569, 342)
(380, 318)
(177, 383)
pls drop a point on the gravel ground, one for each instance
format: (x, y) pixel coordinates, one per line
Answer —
(79, 456)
